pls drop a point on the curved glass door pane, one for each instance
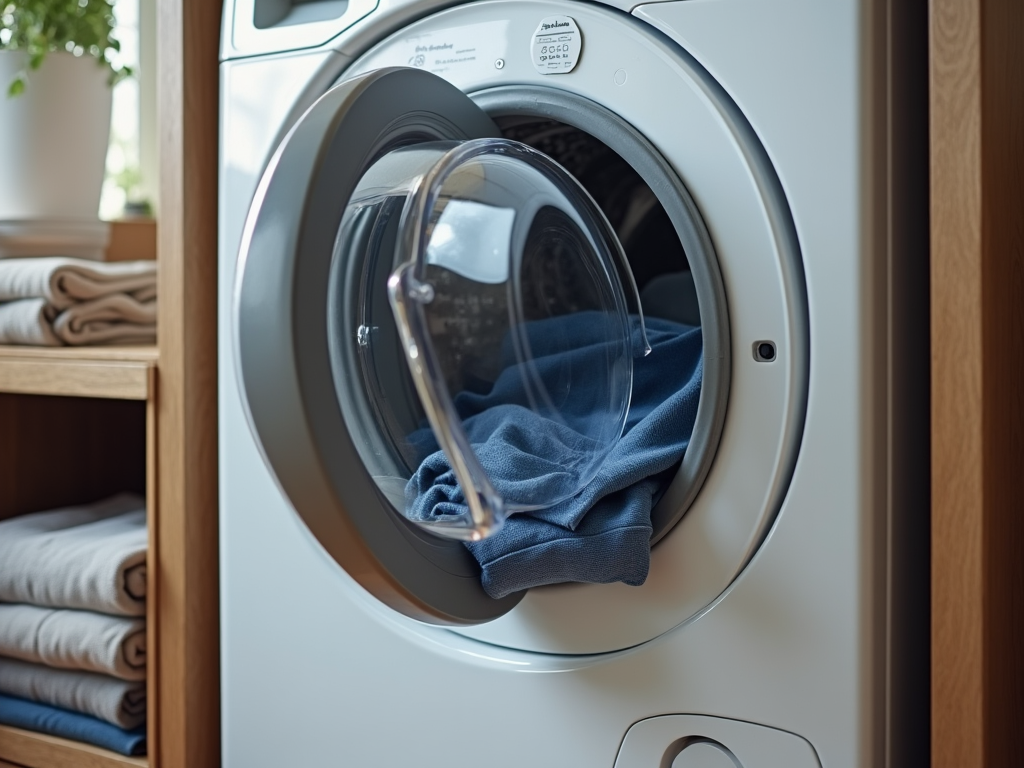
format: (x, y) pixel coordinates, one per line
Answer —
(511, 314)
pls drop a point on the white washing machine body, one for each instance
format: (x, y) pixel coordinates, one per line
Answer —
(781, 621)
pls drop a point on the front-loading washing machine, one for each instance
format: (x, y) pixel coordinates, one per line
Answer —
(410, 189)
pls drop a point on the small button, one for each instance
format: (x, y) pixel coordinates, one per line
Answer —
(620, 77)
(764, 351)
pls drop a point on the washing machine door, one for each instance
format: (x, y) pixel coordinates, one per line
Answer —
(419, 299)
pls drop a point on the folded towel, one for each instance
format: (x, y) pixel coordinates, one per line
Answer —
(90, 557)
(115, 319)
(120, 702)
(144, 294)
(64, 281)
(42, 718)
(95, 642)
(29, 321)
(603, 533)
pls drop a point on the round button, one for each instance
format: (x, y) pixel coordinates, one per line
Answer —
(620, 77)
(705, 754)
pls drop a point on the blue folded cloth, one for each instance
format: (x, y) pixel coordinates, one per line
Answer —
(70, 725)
(601, 534)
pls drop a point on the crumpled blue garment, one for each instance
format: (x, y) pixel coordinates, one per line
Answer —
(602, 533)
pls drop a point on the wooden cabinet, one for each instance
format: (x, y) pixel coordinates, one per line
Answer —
(977, 351)
(145, 418)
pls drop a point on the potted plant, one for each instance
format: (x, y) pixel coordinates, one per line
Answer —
(56, 73)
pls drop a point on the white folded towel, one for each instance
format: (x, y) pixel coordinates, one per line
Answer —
(64, 281)
(90, 557)
(115, 319)
(56, 637)
(117, 701)
(29, 321)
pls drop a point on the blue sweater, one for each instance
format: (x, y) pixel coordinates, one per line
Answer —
(602, 533)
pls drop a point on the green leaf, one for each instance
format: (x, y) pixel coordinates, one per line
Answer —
(17, 87)
(40, 27)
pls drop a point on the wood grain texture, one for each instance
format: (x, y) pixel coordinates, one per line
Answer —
(58, 451)
(188, 697)
(1002, 159)
(79, 378)
(37, 750)
(131, 240)
(152, 573)
(957, 487)
(5, 764)
(977, 283)
(146, 353)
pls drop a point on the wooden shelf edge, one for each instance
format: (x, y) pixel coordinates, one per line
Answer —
(146, 353)
(117, 373)
(38, 750)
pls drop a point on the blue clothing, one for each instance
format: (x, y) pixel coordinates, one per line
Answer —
(602, 533)
(43, 718)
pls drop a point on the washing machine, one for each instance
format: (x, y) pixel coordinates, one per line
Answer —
(756, 169)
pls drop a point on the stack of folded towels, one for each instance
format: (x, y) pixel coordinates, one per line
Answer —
(72, 623)
(56, 301)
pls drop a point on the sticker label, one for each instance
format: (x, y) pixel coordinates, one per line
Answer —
(556, 45)
(448, 52)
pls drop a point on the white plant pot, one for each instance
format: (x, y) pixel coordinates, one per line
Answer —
(53, 141)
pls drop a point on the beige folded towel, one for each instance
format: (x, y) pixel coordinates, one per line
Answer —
(57, 637)
(64, 281)
(90, 557)
(115, 319)
(116, 701)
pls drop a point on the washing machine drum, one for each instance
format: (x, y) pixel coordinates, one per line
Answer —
(401, 262)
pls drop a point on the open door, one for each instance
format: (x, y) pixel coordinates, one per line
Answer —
(410, 283)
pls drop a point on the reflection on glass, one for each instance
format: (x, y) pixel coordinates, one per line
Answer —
(508, 343)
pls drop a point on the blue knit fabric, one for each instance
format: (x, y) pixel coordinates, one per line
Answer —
(602, 534)
(70, 725)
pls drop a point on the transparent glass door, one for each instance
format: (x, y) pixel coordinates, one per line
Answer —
(510, 299)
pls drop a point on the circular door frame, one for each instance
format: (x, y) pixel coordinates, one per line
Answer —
(283, 350)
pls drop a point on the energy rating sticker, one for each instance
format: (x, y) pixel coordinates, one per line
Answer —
(556, 46)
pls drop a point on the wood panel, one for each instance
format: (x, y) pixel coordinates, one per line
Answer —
(188, 697)
(124, 380)
(37, 750)
(57, 451)
(145, 353)
(152, 579)
(977, 283)
(131, 240)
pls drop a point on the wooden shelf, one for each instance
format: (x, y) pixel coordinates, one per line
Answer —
(108, 455)
(122, 373)
(37, 750)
